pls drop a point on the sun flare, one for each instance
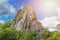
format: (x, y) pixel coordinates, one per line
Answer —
(50, 5)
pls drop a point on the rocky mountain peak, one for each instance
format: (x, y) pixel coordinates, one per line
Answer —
(28, 7)
(25, 19)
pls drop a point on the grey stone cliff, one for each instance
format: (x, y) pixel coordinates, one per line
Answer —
(25, 19)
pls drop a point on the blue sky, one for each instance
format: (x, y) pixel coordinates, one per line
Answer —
(7, 11)
(8, 8)
(18, 3)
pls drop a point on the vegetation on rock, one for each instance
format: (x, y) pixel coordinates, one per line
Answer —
(7, 33)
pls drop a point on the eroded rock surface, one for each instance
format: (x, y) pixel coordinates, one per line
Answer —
(25, 19)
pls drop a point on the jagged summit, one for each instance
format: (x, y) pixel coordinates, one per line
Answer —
(25, 19)
(28, 7)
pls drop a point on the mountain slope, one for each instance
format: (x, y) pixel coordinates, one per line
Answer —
(25, 20)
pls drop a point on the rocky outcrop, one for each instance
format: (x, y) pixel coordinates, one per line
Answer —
(26, 20)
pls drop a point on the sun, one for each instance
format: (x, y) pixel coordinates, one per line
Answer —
(50, 5)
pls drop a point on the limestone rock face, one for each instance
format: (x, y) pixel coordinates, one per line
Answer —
(25, 19)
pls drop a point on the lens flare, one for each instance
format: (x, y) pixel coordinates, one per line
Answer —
(50, 5)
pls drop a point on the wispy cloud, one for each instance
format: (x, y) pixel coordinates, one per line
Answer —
(50, 23)
(1, 21)
(58, 11)
(6, 8)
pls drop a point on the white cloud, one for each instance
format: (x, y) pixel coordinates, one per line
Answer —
(0, 16)
(3, 1)
(58, 11)
(10, 8)
(1, 21)
(6, 8)
(50, 23)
